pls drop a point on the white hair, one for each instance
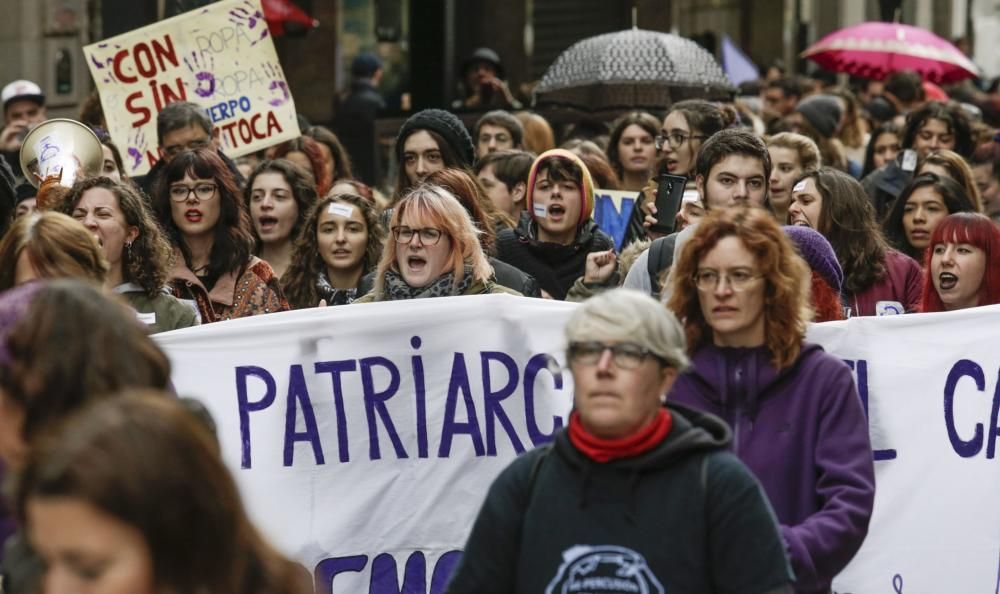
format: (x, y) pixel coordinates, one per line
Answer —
(630, 316)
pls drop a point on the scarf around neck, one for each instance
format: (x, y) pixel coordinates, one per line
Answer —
(396, 288)
(601, 450)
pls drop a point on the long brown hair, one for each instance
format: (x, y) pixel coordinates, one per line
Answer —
(786, 276)
(847, 220)
(75, 345)
(150, 463)
(148, 260)
(233, 241)
(299, 281)
(56, 246)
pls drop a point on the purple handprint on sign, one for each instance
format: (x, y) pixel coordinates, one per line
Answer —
(202, 69)
(136, 146)
(277, 85)
(250, 18)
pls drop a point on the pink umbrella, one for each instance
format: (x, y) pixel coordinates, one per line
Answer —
(876, 50)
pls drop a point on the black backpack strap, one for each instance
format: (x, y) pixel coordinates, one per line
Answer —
(661, 257)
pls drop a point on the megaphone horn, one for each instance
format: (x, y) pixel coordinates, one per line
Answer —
(61, 145)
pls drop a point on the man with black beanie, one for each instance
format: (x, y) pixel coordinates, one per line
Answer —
(431, 140)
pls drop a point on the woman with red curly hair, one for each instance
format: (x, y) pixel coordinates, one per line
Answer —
(742, 293)
(962, 268)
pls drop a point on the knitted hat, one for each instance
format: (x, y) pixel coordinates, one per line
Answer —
(587, 191)
(818, 253)
(823, 112)
(445, 124)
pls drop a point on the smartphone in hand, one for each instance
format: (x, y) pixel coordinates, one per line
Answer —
(669, 192)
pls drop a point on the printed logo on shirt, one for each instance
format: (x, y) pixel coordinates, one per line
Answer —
(603, 569)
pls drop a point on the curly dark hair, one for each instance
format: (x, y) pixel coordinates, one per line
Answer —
(299, 281)
(233, 242)
(949, 113)
(303, 191)
(148, 259)
(952, 194)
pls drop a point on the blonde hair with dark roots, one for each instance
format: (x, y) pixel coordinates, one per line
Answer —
(57, 247)
(148, 260)
(299, 281)
(436, 207)
(786, 277)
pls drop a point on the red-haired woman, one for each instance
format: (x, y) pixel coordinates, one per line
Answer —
(797, 420)
(962, 269)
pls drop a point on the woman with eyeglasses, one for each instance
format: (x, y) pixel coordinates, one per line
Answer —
(797, 419)
(687, 125)
(199, 205)
(635, 494)
(433, 251)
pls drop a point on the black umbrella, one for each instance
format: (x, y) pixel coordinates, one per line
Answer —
(633, 69)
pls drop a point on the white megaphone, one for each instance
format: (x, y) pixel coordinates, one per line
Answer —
(61, 145)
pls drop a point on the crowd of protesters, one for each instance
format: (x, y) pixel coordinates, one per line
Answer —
(803, 203)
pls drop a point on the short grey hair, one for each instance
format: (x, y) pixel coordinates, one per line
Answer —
(630, 316)
(181, 114)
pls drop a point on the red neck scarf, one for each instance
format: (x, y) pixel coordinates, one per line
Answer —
(602, 450)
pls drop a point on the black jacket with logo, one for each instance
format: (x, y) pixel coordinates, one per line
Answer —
(684, 518)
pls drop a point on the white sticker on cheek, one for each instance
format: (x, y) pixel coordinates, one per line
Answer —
(541, 211)
(799, 186)
(344, 210)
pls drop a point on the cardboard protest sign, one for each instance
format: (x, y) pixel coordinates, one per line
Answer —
(220, 56)
(364, 437)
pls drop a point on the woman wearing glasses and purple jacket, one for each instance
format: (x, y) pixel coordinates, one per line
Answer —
(199, 205)
(797, 420)
(432, 251)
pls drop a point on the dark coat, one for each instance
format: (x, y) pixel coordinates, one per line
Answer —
(354, 124)
(683, 517)
(555, 267)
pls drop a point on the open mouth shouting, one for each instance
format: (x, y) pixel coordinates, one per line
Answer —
(556, 211)
(193, 215)
(947, 281)
(416, 264)
(267, 223)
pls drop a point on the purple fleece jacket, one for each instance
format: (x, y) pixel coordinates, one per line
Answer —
(802, 431)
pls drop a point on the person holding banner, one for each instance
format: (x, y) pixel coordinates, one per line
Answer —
(636, 495)
(340, 243)
(139, 255)
(878, 280)
(434, 251)
(798, 422)
(278, 195)
(963, 264)
(198, 204)
(109, 517)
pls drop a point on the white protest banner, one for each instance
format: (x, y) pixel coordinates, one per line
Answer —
(220, 56)
(932, 387)
(364, 437)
